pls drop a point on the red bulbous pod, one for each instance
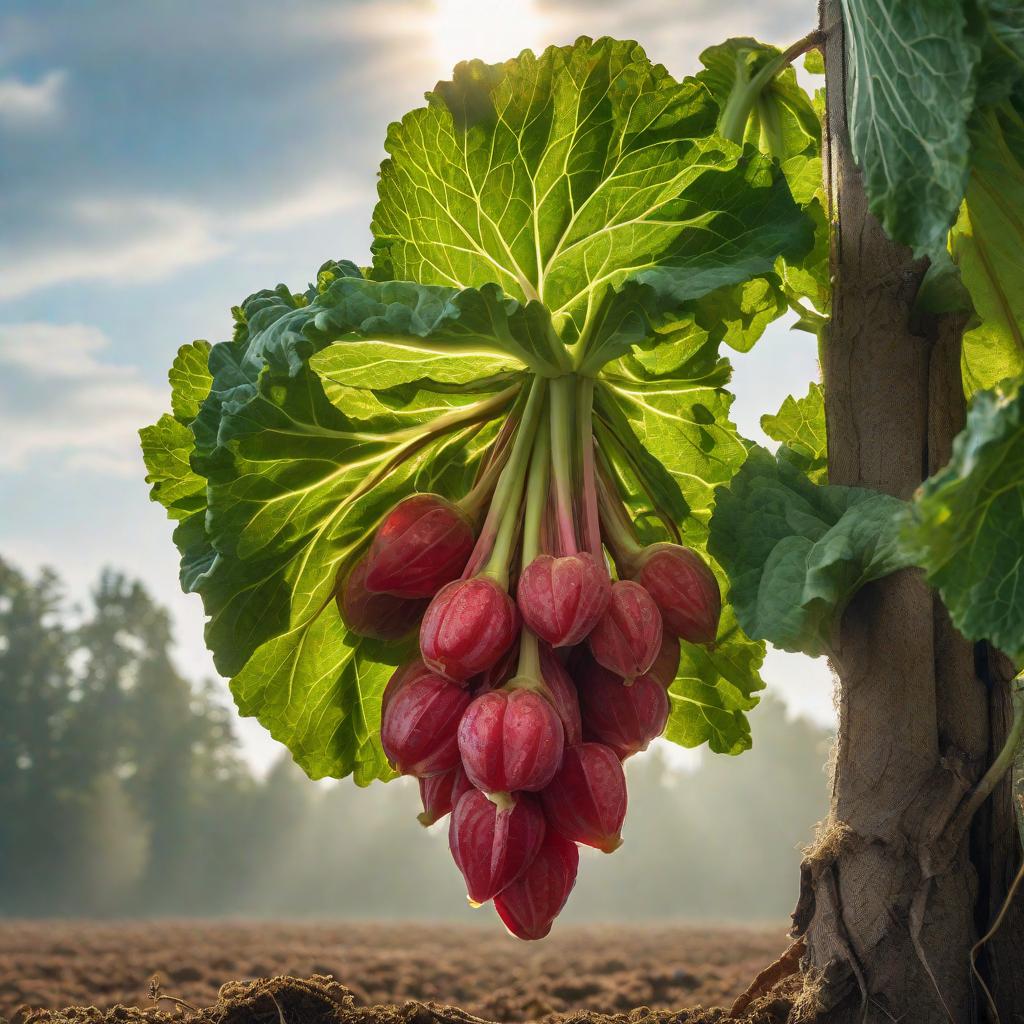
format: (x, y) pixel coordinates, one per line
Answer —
(561, 599)
(440, 793)
(666, 664)
(423, 543)
(562, 691)
(419, 727)
(586, 800)
(511, 740)
(402, 675)
(627, 638)
(492, 847)
(685, 590)
(377, 616)
(468, 626)
(529, 906)
(625, 718)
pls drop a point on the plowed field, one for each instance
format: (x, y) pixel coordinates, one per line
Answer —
(606, 968)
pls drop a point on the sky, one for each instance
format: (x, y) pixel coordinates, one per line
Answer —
(159, 161)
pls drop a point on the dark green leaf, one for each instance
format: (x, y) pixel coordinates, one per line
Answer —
(967, 527)
(909, 100)
(795, 553)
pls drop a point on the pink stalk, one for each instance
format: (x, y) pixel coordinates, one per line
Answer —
(615, 524)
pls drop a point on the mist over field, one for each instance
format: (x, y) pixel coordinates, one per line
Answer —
(123, 792)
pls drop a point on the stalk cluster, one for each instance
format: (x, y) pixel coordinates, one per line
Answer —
(548, 639)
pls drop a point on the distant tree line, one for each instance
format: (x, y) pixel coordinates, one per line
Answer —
(123, 792)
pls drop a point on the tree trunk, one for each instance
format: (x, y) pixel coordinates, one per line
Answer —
(889, 926)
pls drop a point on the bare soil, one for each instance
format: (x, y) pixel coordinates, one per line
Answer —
(383, 973)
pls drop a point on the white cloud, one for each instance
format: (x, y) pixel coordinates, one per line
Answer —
(30, 102)
(318, 200)
(148, 238)
(121, 241)
(58, 397)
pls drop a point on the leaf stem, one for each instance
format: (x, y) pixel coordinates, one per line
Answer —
(498, 534)
(732, 124)
(416, 438)
(478, 412)
(590, 524)
(561, 462)
(528, 674)
(607, 436)
(478, 496)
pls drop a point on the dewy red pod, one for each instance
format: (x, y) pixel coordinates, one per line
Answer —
(510, 740)
(685, 590)
(493, 847)
(377, 616)
(529, 906)
(625, 718)
(561, 599)
(402, 675)
(419, 727)
(586, 800)
(627, 637)
(562, 691)
(440, 793)
(423, 543)
(468, 626)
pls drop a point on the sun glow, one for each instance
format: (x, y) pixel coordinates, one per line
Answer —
(491, 30)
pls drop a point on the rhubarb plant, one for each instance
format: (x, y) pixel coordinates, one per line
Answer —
(432, 503)
(476, 513)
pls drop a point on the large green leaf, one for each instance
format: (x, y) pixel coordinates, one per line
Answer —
(910, 96)
(795, 552)
(567, 177)
(799, 426)
(988, 246)
(967, 527)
